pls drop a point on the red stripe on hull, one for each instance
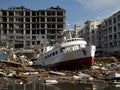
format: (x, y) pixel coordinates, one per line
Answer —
(84, 63)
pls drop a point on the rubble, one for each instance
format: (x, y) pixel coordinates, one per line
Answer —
(57, 73)
(51, 81)
(102, 70)
(113, 75)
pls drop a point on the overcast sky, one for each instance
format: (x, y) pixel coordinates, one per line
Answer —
(77, 11)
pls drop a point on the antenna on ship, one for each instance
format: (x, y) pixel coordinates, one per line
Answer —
(69, 32)
(67, 26)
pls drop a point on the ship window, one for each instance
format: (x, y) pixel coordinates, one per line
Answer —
(56, 52)
(53, 53)
(60, 50)
(48, 56)
(45, 57)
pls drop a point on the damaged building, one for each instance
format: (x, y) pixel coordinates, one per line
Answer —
(21, 27)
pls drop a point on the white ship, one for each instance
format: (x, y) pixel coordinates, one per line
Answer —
(71, 53)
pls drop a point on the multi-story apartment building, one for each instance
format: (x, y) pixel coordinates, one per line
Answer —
(21, 27)
(109, 33)
(89, 31)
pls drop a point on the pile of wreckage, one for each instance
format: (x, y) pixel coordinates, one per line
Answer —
(15, 63)
(19, 66)
(21, 56)
(105, 69)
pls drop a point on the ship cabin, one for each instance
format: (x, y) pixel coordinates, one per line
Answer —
(68, 45)
(73, 42)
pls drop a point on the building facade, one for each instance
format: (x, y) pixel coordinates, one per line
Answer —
(109, 33)
(21, 27)
(89, 31)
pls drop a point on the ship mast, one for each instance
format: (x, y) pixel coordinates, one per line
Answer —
(69, 32)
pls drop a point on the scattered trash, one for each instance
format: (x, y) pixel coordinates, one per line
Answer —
(77, 77)
(57, 73)
(51, 81)
(21, 83)
(114, 75)
(82, 75)
(2, 74)
(21, 68)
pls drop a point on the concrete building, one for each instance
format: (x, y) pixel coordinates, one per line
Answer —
(89, 31)
(21, 27)
(109, 33)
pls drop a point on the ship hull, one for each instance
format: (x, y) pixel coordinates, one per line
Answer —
(78, 59)
(82, 63)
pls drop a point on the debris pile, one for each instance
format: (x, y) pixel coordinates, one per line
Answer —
(104, 69)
